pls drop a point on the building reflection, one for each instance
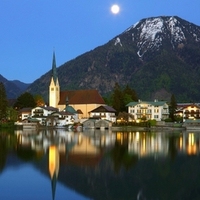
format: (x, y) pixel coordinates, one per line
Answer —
(144, 144)
(74, 147)
(189, 143)
(156, 144)
(86, 149)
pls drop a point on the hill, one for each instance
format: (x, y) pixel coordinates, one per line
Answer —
(13, 88)
(156, 56)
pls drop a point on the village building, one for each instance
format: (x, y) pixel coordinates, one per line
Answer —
(83, 101)
(24, 113)
(158, 110)
(50, 116)
(104, 112)
(188, 111)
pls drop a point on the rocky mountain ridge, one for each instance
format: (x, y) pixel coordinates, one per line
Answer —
(156, 56)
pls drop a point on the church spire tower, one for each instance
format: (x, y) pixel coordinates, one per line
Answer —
(54, 87)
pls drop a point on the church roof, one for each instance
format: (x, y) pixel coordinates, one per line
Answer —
(81, 97)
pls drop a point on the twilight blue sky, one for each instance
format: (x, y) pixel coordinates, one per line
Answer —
(31, 29)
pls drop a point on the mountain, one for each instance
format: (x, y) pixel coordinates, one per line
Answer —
(156, 56)
(13, 88)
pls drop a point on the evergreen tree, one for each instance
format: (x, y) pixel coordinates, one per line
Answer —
(25, 100)
(172, 107)
(117, 99)
(3, 102)
(131, 93)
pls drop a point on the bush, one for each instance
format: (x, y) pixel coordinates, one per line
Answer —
(152, 122)
(168, 120)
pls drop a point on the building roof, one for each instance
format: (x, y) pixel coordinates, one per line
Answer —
(81, 97)
(79, 111)
(49, 108)
(62, 113)
(70, 109)
(104, 109)
(154, 103)
(25, 110)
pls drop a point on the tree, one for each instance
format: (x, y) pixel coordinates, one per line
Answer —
(25, 100)
(39, 101)
(3, 102)
(117, 99)
(172, 107)
(129, 95)
(12, 114)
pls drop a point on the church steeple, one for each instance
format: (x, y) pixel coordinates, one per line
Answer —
(54, 87)
(54, 70)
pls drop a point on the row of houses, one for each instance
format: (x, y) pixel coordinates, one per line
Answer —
(157, 110)
(50, 116)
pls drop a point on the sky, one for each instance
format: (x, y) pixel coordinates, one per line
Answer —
(32, 29)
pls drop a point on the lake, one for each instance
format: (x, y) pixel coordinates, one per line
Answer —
(60, 164)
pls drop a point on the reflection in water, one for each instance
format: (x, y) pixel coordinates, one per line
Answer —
(71, 154)
(148, 144)
(53, 167)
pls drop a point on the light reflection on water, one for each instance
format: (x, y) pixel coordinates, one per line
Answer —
(60, 164)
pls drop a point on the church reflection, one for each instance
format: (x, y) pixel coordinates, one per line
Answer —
(54, 164)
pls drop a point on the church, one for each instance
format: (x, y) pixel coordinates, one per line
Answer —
(82, 101)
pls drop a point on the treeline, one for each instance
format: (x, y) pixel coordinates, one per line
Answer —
(9, 113)
(120, 97)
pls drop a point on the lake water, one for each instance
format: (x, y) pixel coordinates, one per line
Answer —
(59, 164)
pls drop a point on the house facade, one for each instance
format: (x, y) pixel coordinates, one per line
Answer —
(158, 110)
(188, 111)
(24, 113)
(50, 116)
(104, 112)
(82, 100)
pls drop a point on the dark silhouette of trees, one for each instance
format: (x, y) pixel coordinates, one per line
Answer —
(120, 98)
(172, 107)
(3, 102)
(117, 99)
(25, 100)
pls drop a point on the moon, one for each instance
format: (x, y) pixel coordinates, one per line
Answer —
(115, 9)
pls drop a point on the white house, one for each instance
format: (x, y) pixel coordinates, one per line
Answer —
(104, 112)
(158, 110)
(24, 113)
(63, 118)
(51, 116)
(41, 111)
(188, 111)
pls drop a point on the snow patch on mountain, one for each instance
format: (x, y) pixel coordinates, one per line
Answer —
(151, 32)
(131, 27)
(196, 37)
(150, 36)
(177, 35)
(118, 41)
